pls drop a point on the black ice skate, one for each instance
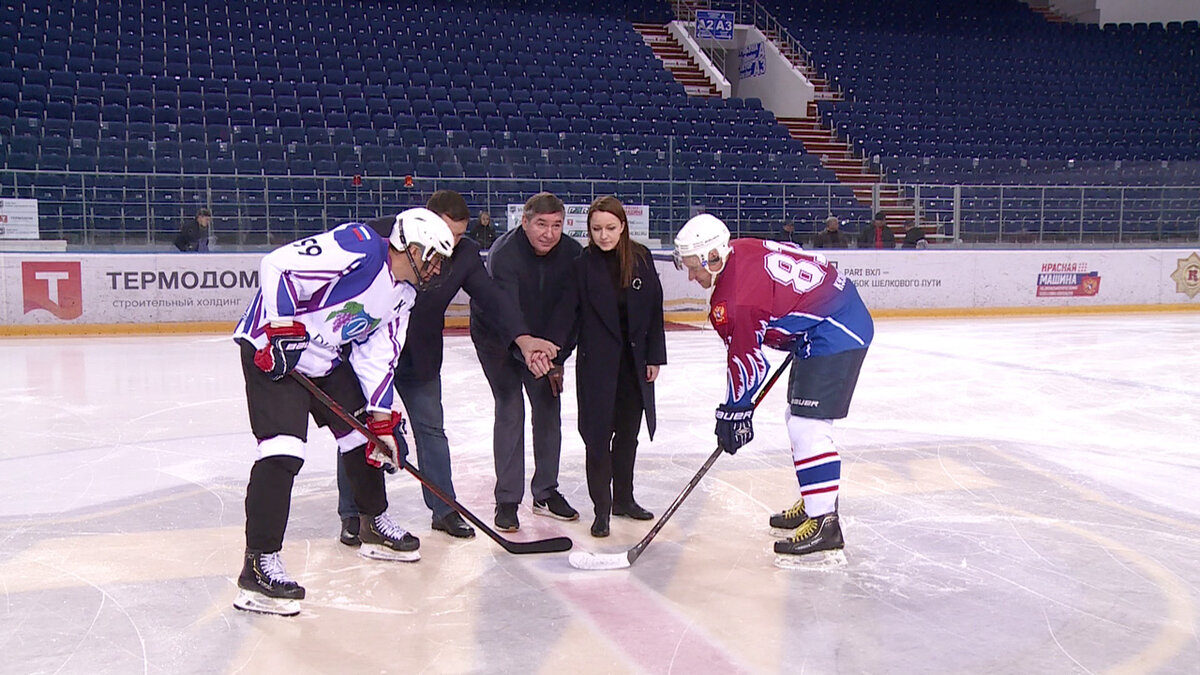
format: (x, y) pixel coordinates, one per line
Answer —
(383, 539)
(790, 518)
(266, 588)
(816, 543)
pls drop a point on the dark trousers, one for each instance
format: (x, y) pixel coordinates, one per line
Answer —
(423, 401)
(506, 376)
(610, 463)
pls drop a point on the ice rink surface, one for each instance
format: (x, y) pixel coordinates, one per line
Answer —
(1019, 495)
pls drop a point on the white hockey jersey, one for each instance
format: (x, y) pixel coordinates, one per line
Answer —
(339, 285)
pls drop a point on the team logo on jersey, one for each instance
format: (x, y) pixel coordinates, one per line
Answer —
(352, 320)
(1187, 275)
(719, 315)
(56, 287)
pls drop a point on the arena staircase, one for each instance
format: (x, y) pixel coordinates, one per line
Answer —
(676, 59)
(819, 140)
(840, 157)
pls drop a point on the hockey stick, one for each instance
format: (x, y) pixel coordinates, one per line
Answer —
(552, 545)
(614, 561)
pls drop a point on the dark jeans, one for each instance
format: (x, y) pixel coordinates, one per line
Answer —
(423, 400)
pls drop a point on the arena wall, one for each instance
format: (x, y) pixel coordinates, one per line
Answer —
(84, 293)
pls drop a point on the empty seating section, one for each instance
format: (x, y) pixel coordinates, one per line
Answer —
(990, 92)
(131, 114)
(993, 79)
(521, 89)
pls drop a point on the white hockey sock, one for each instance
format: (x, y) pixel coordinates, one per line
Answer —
(818, 464)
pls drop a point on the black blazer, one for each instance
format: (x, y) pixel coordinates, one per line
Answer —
(422, 355)
(590, 301)
(533, 282)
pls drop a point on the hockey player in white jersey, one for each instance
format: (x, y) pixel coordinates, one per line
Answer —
(347, 292)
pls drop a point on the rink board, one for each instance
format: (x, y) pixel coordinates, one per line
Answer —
(64, 290)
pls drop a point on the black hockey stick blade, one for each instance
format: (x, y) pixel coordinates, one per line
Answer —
(614, 561)
(552, 545)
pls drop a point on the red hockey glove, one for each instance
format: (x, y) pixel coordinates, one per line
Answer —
(390, 430)
(282, 352)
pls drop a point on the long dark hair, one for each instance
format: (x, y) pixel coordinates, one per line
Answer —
(626, 250)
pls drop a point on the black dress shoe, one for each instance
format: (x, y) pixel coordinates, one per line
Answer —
(600, 527)
(453, 525)
(632, 510)
(349, 533)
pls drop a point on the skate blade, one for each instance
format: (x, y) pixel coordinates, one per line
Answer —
(249, 601)
(812, 561)
(378, 552)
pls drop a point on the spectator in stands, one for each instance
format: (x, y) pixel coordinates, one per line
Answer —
(789, 234)
(831, 236)
(193, 234)
(914, 236)
(880, 235)
(483, 231)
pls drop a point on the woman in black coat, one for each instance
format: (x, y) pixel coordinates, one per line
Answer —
(617, 300)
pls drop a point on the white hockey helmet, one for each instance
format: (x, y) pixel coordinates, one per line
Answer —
(700, 236)
(424, 228)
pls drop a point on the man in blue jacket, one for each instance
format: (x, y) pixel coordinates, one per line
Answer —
(418, 377)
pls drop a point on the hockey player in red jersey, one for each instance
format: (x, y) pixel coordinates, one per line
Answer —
(333, 307)
(770, 294)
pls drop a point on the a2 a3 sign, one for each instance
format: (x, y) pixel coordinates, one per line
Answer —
(714, 24)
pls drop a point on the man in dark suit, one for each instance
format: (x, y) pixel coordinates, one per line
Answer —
(418, 377)
(531, 263)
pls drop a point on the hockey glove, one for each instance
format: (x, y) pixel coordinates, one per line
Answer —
(282, 352)
(734, 428)
(555, 378)
(390, 430)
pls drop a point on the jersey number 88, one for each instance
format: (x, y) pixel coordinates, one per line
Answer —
(792, 266)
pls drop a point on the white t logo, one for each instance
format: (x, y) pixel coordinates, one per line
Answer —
(51, 279)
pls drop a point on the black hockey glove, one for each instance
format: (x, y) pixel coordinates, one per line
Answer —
(734, 428)
(282, 352)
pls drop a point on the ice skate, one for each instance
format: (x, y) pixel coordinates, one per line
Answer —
(265, 587)
(787, 520)
(817, 543)
(383, 539)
